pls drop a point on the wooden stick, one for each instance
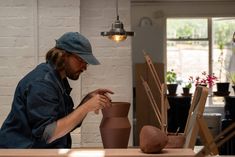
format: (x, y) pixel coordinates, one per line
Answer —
(225, 131)
(153, 71)
(209, 148)
(161, 88)
(163, 109)
(152, 100)
(205, 135)
(194, 103)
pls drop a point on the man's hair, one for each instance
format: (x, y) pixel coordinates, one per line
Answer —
(54, 56)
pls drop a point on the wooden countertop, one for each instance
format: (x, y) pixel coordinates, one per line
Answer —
(135, 152)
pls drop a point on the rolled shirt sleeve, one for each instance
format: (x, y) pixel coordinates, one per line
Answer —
(49, 130)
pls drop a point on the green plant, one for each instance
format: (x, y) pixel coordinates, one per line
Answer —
(232, 77)
(171, 77)
(189, 83)
(222, 34)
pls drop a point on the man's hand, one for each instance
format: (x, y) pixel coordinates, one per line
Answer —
(104, 99)
(101, 91)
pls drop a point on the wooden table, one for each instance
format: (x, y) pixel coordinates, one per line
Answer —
(135, 152)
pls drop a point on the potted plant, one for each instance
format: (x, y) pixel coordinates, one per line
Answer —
(206, 80)
(188, 86)
(232, 80)
(222, 87)
(172, 85)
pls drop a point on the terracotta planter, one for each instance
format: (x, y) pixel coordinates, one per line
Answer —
(175, 141)
(115, 126)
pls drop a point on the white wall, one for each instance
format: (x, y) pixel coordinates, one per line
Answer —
(115, 71)
(159, 10)
(28, 29)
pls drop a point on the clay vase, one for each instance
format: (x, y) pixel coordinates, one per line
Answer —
(152, 139)
(115, 126)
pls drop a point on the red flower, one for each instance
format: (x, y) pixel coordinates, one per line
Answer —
(206, 79)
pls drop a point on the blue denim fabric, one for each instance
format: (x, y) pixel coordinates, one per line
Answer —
(41, 98)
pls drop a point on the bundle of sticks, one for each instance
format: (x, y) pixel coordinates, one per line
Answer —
(161, 113)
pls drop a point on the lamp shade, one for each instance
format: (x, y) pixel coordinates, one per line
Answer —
(117, 32)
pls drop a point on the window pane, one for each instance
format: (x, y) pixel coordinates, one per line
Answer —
(186, 28)
(223, 56)
(187, 58)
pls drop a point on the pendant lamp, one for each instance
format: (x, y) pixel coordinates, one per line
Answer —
(117, 33)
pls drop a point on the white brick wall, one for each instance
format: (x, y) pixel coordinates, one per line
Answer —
(115, 70)
(28, 29)
(16, 47)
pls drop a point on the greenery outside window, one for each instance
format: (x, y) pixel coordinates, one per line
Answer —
(194, 45)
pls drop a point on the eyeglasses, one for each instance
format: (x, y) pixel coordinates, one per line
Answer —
(78, 58)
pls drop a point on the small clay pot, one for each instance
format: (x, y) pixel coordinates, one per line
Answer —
(175, 141)
(152, 139)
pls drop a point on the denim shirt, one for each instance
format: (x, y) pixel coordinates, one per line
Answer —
(40, 99)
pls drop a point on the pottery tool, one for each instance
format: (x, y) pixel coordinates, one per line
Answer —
(152, 101)
(177, 131)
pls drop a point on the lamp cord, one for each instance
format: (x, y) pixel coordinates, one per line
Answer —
(117, 9)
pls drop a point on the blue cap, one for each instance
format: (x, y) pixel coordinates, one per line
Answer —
(76, 43)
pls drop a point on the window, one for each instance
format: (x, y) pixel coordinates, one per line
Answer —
(195, 45)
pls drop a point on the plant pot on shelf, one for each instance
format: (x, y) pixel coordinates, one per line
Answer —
(222, 89)
(172, 88)
(186, 91)
(233, 89)
(115, 126)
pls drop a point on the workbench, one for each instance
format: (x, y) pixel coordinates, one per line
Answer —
(97, 152)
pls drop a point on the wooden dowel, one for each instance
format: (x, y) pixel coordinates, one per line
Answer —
(225, 131)
(152, 100)
(225, 139)
(153, 71)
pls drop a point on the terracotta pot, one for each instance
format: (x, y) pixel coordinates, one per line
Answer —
(175, 141)
(115, 126)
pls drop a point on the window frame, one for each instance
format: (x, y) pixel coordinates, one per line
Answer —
(209, 39)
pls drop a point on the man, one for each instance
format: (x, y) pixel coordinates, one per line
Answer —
(42, 114)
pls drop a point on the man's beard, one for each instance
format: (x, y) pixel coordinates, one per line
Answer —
(74, 76)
